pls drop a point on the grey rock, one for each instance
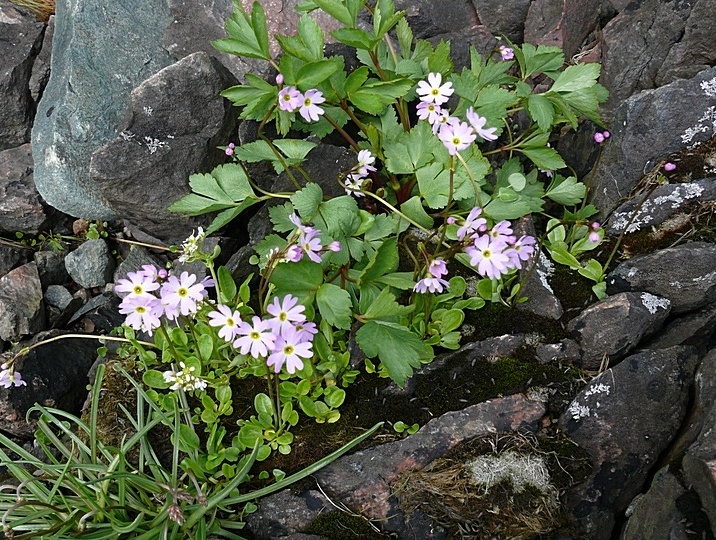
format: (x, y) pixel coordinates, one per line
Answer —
(362, 481)
(102, 310)
(22, 36)
(428, 19)
(541, 299)
(561, 23)
(100, 53)
(610, 328)
(694, 329)
(504, 18)
(685, 274)
(698, 462)
(639, 142)
(655, 515)
(566, 350)
(51, 267)
(173, 124)
(22, 311)
(695, 50)
(41, 67)
(625, 418)
(21, 208)
(284, 513)
(12, 257)
(58, 296)
(56, 376)
(636, 43)
(91, 264)
(644, 212)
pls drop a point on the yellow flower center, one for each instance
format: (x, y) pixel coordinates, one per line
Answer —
(254, 335)
(183, 291)
(137, 289)
(140, 309)
(283, 316)
(288, 349)
(230, 322)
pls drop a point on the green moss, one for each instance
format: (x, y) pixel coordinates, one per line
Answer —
(343, 526)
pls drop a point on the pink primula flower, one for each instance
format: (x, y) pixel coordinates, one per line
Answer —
(289, 349)
(478, 124)
(434, 91)
(289, 99)
(309, 105)
(488, 258)
(285, 313)
(257, 339)
(456, 136)
(183, 293)
(227, 321)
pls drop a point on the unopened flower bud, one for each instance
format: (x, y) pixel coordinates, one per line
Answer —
(598, 138)
(279, 79)
(334, 246)
(606, 134)
(668, 166)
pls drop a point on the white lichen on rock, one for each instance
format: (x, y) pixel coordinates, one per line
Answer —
(519, 470)
(578, 411)
(633, 222)
(709, 87)
(545, 269)
(653, 303)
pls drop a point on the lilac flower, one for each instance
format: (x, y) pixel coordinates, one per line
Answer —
(311, 245)
(183, 293)
(521, 250)
(472, 223)
(506, 53)
(285, 313)
(443, 120)
(153, 273)
(433, 91)
(294, 253)
(437, 268)
(431, 284)
(227, 320)
(306, 330)
(598, 138)
(365, 162)
(668, 167)
(488, 258)
(230, 149)
(257, 339)
(289, 98)
(502, 233)
(142, 312)
(334, 246)
(456, 136)
(353, 184)
(593, 234)
(429, 111)
(137, 284)
(478, 124)
(289, 350)
(309, 105)
(10, 377)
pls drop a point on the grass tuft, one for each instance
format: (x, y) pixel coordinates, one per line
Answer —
(41, 8)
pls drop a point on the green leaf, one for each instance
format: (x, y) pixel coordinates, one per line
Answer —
(300, 279)
(278, 214)
(205, 344)
(246, 37)
(384, 306)
(434, 184)
(593, 270)
(294, 149)
(314, 73)
(398, 348)
(399, 280)
(337, 10)
(413, 209)
(576, 78)
(517, 181)
(376, 96)
(188, 438)
(334, 305)
(353, 37)
(562, 256)
(307, 200)
(334, 396)
(154, 379)
(356, 79)
(384, 260)
(405, 37)
(263, 404)
(566, 191)
(545, 158)
(439, 61)
(223, 218)
(541, 110)
(232, 180)
(338, 217)
(195, 205)
(411, 150)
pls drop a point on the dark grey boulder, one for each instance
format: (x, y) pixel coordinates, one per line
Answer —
(561, 23)
(21, 207)
(655, 515)
(694, 329)
(643, 212)
(285, 513)
(635, 44)
(22, 311)
(685, 274)
(21, 38)
(56, 376)
(57, 296)
(12, 257)
(174, 122)
(639, 140)
(541, 299)
(100, 53)
(91, 264)
(51, 267)
(695, 50)
(428, 19)
(504, 18)
(607, 330)
(625, 418)
(41, 66)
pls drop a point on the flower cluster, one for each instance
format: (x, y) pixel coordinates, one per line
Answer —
(306, 242)
(601, 136)
(358, 175)
(455, 134)
(290, 99)
(184, 379)
(506, 53)
(192, 245)
(433, 282)
(284, 338)
(9, 377)
(177, 296)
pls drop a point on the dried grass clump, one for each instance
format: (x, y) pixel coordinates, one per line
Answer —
(41, 8)
(501, 488)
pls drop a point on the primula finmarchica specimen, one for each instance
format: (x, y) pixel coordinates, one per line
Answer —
(434, 91)
(10, 377)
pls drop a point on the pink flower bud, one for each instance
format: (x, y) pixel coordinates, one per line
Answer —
(451, 220)
(668, 166)
(598, 138)
(594, 237)
(334, 246)
(279, 79)
(229, 151)
(595, 225)
(606, 134)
